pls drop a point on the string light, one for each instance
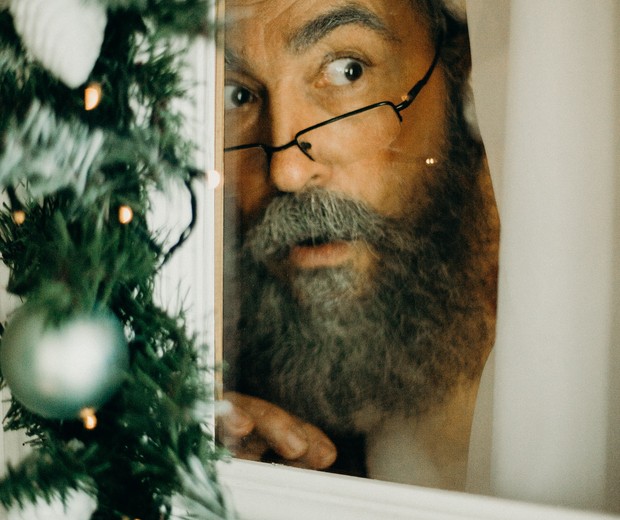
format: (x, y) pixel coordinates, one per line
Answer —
(214, 178)
(431, 161)
(19, 217)
(92, 96)
(88, 418)
(125, 214)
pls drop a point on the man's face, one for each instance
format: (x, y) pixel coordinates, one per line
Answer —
(294, 63)
(362, 279)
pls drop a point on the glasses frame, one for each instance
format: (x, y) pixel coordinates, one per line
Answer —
(304, 146)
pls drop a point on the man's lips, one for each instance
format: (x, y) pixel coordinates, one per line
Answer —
(309, 255)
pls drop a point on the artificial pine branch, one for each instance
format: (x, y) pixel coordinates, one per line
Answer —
(69, 170)
(46, 475)
(181, 16)
(47, 155)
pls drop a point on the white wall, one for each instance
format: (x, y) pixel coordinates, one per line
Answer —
(548, 100)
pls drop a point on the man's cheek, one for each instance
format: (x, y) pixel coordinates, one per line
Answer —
(251, 193)
(390, 183)
(411, 182)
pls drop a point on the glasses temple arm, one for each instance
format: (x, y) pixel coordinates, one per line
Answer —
(415, 90)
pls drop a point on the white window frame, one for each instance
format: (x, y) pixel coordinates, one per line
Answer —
(260, 491)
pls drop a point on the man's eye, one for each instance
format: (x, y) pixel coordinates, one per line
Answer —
(236, 96)
(344, 71)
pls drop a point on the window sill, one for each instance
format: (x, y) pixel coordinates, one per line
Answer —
(272, 492)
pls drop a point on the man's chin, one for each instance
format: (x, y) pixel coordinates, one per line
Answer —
(327, 286)
(331, 272)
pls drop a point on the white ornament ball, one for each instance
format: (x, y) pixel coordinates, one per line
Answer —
(57, 371)
(65, 36)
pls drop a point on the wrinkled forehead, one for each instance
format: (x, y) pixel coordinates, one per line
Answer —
(297, 24)
(265, 10)
(286, 17)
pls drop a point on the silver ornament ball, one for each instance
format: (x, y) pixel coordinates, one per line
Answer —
(57, 371)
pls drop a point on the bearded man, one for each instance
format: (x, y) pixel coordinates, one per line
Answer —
(367, 234)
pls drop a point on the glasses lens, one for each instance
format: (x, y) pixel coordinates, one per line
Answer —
(352, 138)
(344, 141)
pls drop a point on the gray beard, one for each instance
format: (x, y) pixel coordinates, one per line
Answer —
(330, 344)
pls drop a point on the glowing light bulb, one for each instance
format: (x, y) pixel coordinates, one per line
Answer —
(88, 418)
(125, 214)
(19, 217)
(430, 161)
(92, 96)
(214, 178)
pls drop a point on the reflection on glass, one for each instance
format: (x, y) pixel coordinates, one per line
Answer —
(361, 251)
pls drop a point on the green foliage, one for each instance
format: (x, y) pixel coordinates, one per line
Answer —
(179, 16)
(69, 170)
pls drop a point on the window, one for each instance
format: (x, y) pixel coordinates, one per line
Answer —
(557, 368)
(548, 340)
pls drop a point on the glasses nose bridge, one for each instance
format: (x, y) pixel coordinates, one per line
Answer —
(290, 167)
(286, 120)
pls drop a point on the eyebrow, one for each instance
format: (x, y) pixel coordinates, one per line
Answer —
(233, 61)
(350, 14)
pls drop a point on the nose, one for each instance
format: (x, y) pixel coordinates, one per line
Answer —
(290, 170)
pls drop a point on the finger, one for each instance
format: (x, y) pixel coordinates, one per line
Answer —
(282, 431)
(251, 447)
(234, 431)
(235, 422)
(321, 453)
(288, 436)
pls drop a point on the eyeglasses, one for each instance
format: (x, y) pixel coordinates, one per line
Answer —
(343, 139)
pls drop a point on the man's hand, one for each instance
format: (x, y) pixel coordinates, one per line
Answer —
(253, 426)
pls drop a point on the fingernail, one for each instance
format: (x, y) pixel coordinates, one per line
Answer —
(296, 442)
(327, 453)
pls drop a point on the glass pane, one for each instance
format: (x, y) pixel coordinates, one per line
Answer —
(360, 285)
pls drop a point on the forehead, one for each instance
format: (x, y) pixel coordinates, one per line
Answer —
(296, 24)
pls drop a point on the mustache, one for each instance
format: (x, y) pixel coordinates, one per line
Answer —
(312, 217)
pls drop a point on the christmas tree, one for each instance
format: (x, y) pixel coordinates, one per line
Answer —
(110, 388)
